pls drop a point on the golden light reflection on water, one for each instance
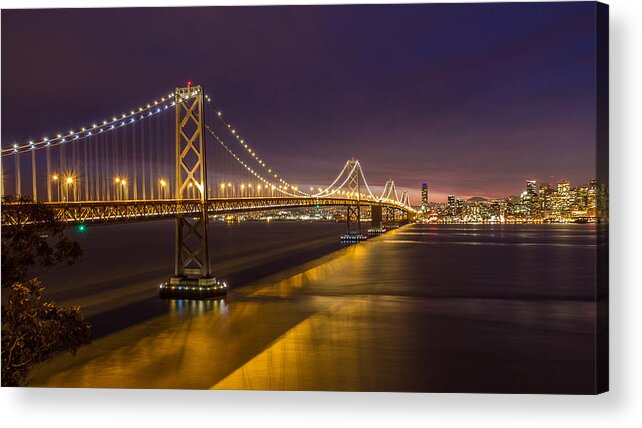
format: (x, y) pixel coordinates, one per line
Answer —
(369, 317)
(328, 351)
(198, 343)
(187, 308)
(287, 284)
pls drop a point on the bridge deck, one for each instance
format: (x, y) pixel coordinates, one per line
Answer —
(149, 210)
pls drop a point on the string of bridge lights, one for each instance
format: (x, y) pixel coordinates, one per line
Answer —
(228, 125)
(279, 188)
(327, 189)
(357, 165)
(115, 123)
(166, 102)
(390, 187)
(233, 131)
(365, 181)
(325, 193)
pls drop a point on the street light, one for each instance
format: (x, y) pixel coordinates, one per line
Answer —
(117, 188)
(54, 178)
(124, 191)
(161, 188)
(69, 181)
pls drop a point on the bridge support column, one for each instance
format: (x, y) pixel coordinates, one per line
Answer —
(353, 219)
(192, 278)
(376, 227)
(390, 217)
(405, 218)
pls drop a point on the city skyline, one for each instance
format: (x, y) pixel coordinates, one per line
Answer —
(517, 190)
(560, 202)
(485, 110)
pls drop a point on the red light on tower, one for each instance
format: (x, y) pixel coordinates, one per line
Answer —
(189, 83)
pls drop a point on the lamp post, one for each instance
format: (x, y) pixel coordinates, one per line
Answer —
(69, 181)
(124, 191)
(117, 188)
(162, 184)
(55, 179)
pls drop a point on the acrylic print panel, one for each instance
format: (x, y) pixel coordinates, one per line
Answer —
(338, 198)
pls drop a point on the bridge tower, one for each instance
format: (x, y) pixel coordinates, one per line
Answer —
(405, 200)
(353, 214)
(389, 213)
(193, 277)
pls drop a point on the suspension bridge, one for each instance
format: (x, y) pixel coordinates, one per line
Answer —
(150, 163)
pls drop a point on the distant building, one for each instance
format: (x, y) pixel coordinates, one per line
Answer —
(563, 186)
(565, 199)
(530, 200)
(531, 187)
(546, 200)
(592, 198)
(451, 205)
(460, 206)
(424, 197)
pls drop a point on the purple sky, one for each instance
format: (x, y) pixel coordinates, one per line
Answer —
(473, 98)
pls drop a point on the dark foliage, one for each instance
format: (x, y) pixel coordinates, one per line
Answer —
(32, 330)
(34, 237)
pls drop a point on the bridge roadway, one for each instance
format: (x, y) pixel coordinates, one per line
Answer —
(156, 209)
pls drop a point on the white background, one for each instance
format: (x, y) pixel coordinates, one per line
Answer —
(622, 406)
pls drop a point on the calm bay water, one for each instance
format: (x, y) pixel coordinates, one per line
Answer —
(446, 308)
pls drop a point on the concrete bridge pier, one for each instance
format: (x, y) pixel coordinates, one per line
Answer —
(376, 226)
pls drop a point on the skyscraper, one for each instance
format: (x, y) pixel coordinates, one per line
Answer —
(565, 198)
(424, 197)
(545, 199)
(451, 205)
(563, 186)
(531, 187)
(460, 206)
(530, 199)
